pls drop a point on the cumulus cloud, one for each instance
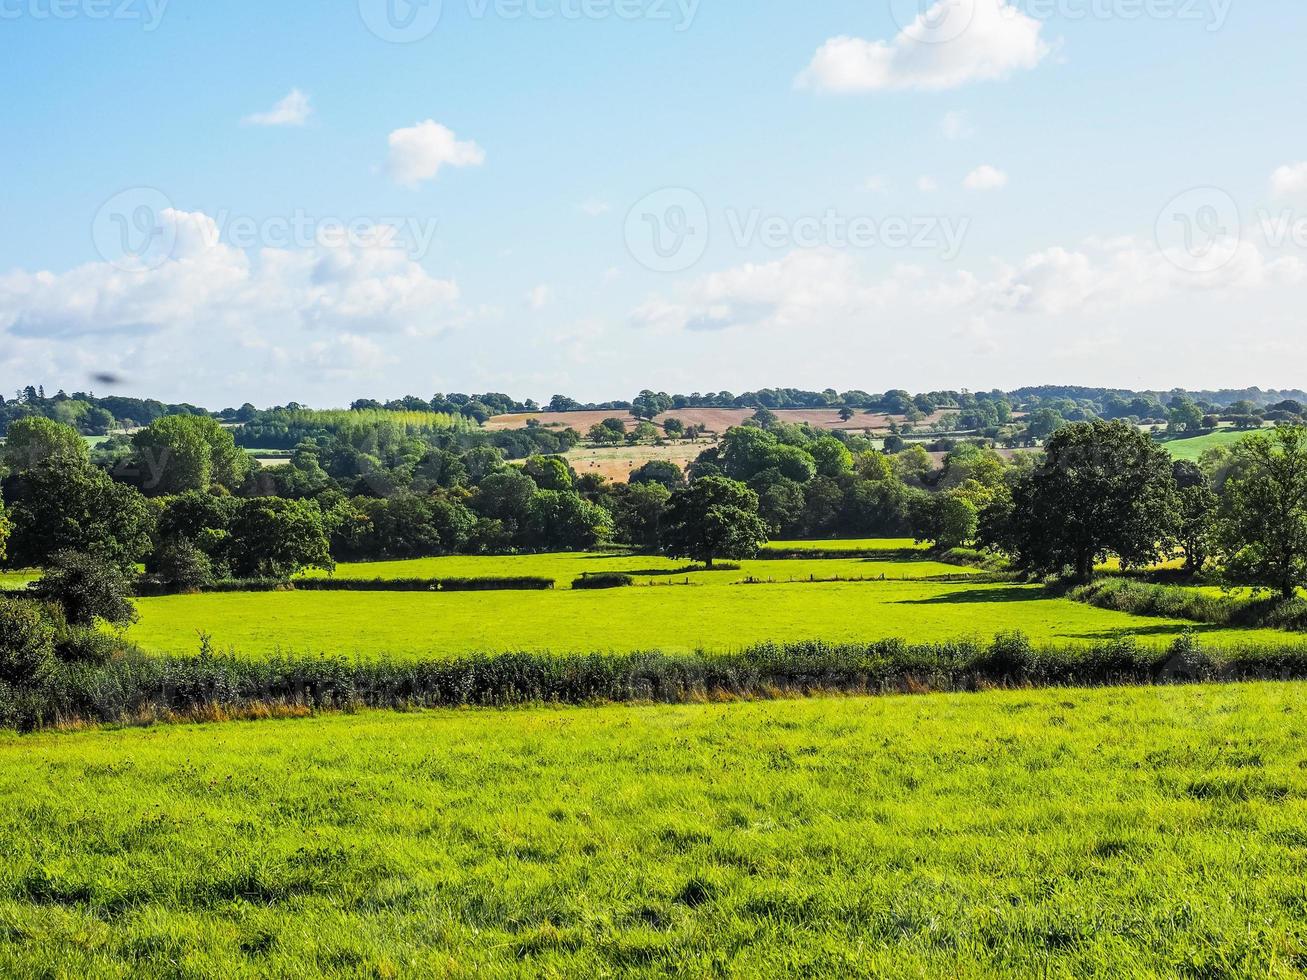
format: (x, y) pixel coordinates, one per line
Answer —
(205, 285)
(927, 185)
(985, 178)
(595, 207)
(1289, 180)
(418, 152)
(823, 286)
(951, 44)
(293, 110)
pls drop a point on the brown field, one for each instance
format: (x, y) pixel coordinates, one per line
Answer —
(617, 462)
(711, 419)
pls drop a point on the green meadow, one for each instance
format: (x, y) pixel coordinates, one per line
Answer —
(1192, 449)
(1146, 832)
(672, 618)
(17, 580)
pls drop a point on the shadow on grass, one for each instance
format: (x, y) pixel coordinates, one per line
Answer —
(1011, 593)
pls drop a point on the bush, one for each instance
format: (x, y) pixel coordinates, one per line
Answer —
(183, 567)
(603, 580)
(86, 589)
(27, 637)
(1009, 658)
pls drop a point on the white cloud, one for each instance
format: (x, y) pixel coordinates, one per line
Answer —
(595, 207)
(954, 126)
(927, 185)
(1289, 180)
(985, 178)
(293, 110)
(875, 184)
(204, 285)
(806, 288)
(539, 297)
(418, 152)
(953, 43)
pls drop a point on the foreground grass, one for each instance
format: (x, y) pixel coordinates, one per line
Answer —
(1071, 832)
(672, 619)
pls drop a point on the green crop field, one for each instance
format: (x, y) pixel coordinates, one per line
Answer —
(1154, 832)
(870, 545)
(1193, 449)
(672, 618)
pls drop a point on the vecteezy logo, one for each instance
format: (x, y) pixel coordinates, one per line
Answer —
(132, 232)
(934, 21)
(400, 21)
(667, 231)
(1200, 230)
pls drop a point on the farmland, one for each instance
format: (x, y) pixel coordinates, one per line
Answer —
(709, 419)
(1109, 832)
(1192, 449)
(685, 612)
(616, 462)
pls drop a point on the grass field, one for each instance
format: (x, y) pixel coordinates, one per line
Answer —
(563, 567)
(1193, 449)
(616, 462)
(869, 545)
(1154, 832)
(17, 580)
(674, 619)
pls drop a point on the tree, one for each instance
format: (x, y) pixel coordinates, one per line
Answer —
(69, 506)
(674, 428)
(87, 589)
(182, 566)
(188, 452)
(35, 440)
(713, 518)
(638, 513)
(832, 457)
(846, 413)
(661, 471)
(550, 472)
(1103, 488)
(6, 526)
(564, 521)
(1196, 531)
(276, 538)
(607, 432)
(1184, 416)
(1264, 511)
(644, 432)
(949, 519)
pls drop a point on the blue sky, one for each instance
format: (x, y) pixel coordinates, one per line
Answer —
(1032, 151)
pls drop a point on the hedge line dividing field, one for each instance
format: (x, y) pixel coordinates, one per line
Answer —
(137, 688)
(495, 584)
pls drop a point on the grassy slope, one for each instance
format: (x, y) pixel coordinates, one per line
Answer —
(1192, 449)
(670, 618)
(1063, 832)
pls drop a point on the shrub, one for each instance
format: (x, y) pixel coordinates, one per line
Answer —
(87, 589)
(603, 580)
(27, 637)
(1009, 658)
(182, 566)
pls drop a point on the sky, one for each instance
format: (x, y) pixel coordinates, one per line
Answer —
(221, 203)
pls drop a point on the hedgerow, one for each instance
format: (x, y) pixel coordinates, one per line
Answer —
(137, 688)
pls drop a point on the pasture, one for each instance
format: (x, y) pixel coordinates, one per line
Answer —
(1193, 448)
(716, 612)
(1025, 833)
(615, 463)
